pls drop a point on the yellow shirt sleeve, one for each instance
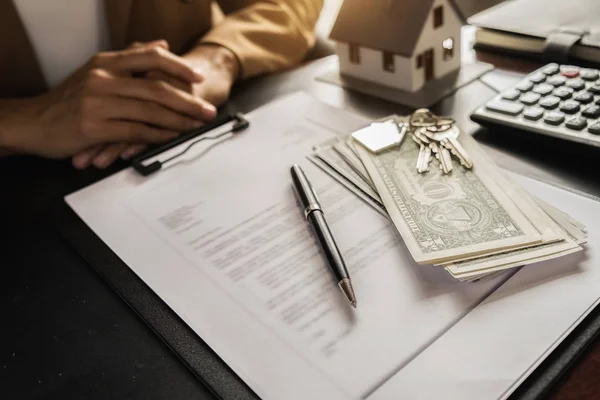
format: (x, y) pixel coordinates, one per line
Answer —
(266, 35)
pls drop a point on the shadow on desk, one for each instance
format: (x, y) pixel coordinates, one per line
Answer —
(579, 161)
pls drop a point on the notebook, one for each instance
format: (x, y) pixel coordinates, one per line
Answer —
(549, 31)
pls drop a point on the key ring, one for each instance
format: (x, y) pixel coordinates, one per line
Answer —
(422, 118)
(425, 118)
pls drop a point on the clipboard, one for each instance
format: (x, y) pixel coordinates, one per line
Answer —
(212, 371)
(192, 137)
(206, 365)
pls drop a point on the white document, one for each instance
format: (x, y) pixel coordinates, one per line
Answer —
(220, 238)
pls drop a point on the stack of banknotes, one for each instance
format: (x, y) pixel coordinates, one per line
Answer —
(474, 223)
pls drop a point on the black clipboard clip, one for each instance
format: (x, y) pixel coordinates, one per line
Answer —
(240, 123)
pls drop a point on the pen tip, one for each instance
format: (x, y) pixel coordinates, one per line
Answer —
(346, 287)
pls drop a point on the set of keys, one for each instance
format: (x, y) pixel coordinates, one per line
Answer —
(437, 137)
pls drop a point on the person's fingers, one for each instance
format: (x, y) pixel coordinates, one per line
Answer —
(133, 150)
(84, 159)
(108, 155)
(178, 83)
(126, 131)
(155, 91)
(143, 59)
(120, 108)
(155, 43)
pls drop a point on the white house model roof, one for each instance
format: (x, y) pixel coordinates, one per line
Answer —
(388, 25)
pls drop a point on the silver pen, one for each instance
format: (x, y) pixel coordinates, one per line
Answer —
(316, 218)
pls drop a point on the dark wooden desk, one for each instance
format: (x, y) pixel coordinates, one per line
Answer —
(582, 382)
(66, 334)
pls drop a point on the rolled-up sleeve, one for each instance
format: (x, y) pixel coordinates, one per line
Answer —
(266, 35)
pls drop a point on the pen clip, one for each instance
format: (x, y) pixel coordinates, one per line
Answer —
(310, 208)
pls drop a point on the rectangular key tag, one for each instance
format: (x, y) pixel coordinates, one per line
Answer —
(381, 136)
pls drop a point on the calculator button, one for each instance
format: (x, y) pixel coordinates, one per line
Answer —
(594, 128)
(570, 71)
(530, 98)
(543, 89)
(595, 88)
(576, 123)
(589, 74)
(557, 80)
(563, 92)
(550, 69)
(511, 94)
(554, 118)
(584, 97)
(537, 78)
(549, 102)
(533, 113)
(504, 107)
(524, 86)
(576, 84)
(570, 107)
(591, 112)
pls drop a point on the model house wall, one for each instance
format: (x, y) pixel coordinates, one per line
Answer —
(429, 58)
(370, 67)
(432, 38)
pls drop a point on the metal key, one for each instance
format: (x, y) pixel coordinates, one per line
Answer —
(445, 160)
(439, 135)
(424, 157)
(458, 151)
(443, 156)
(449, 140)
(420, 134)
(435, 151)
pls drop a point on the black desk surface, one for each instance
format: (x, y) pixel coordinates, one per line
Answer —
(66, 334)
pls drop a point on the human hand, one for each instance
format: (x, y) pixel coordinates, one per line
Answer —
(104, 103)
(220, 69)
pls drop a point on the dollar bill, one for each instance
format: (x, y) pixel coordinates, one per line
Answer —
(556, 240)
(445, 218)
(482, 268)
(329, 156)
(573, 227)
(331, 162)
(342, 147)
(511, 259)
(559, 233)
(483, 277)
(568, 234)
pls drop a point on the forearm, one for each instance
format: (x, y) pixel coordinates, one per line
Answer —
(266, 35)
(18, 129)
(221, 60)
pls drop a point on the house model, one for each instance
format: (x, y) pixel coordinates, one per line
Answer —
(397, 43)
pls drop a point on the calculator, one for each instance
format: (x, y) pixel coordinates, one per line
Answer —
(562, 101)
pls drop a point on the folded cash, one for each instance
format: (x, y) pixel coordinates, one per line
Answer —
(475, 223)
